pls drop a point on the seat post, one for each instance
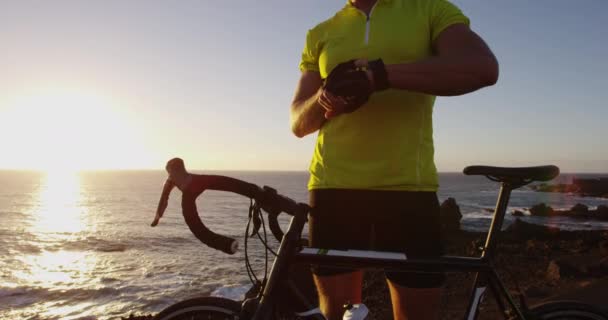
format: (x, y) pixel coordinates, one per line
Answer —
(497, 220)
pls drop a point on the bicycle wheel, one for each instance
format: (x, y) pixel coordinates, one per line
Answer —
(567, 310)
(208, 308)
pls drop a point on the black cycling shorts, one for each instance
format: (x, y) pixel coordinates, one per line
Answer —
(395, 221)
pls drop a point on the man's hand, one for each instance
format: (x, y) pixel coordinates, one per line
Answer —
(346, 89)
(334, 105)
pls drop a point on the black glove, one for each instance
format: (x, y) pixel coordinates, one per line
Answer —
(348, 81)
(380, 75)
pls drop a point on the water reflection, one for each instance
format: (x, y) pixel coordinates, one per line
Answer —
(58, 268)
(59, 209)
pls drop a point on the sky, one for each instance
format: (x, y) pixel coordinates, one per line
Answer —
(130, 84)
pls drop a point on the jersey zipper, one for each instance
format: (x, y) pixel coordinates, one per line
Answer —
(367, 21)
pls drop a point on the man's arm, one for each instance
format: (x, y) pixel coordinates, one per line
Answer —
(463, 63)
(307, 115)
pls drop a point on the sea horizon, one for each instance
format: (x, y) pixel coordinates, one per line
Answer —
(245, 170)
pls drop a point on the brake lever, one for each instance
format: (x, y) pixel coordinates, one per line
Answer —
(274, 226)
(162, 202)
(273, 214)
(257, 222)
(156, 220)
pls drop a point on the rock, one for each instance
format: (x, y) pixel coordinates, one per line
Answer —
(604, 248)
(475, 248)
(525, 230)
(538, 187)
(579, 209)
(563, 188)
(530, 245)
(572, 267)
(450, 215)
(536, 292)
(536, 247)
(599, 269)
(517, 213)
(591, 187)
(542, 210)
(552, 275)
(601, 212)
(597, 187)
(578, 246)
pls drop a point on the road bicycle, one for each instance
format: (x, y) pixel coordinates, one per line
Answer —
(280, 297)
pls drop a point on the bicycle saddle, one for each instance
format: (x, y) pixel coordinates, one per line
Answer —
(528, 174)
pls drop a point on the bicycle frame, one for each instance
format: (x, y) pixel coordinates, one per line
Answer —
(485, 273)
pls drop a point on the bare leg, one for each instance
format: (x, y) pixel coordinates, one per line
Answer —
(335, 291)
(414, 303)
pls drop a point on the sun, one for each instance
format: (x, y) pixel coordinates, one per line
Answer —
(66, 131)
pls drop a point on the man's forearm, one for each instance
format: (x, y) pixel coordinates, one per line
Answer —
(307, 116)
(444, 76)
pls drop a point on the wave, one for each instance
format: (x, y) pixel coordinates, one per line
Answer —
(105, 199)
(12, 213)
(175, 240)
(25, 296)
(159, 239)
(108, 280)
(90, 243)
(236, 292)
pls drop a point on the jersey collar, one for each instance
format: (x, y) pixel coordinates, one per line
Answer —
(348, 3)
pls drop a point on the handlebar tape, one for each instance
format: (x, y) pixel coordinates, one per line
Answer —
(274, 226)
(201, 183)
(198, 228)
(266, 196)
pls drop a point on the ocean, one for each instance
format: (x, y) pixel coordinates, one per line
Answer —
(80, 246)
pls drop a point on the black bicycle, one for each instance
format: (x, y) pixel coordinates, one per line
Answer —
(281, 297)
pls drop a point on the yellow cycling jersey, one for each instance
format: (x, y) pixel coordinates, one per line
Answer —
(387, 144)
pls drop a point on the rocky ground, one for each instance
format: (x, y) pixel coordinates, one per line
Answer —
(579, 211)
(542, 262)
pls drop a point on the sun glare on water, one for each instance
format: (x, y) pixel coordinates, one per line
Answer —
(63, 131)
(57, 219)
(59, 209)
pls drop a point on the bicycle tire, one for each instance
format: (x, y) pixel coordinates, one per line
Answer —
(567, 310)
(208, 308)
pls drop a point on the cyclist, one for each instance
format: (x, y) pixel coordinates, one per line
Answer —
(373, 180)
